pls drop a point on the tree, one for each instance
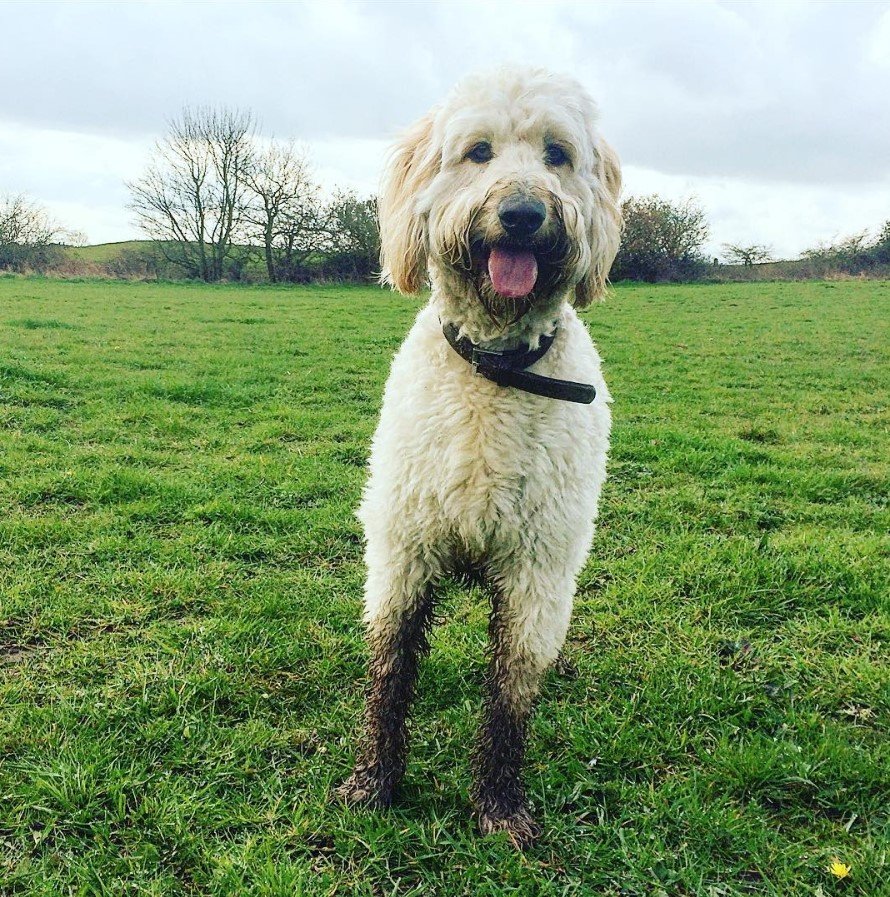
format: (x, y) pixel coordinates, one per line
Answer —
(192, 198)
(286, 215)
(881, 248)
(755, 254)
(355, 237)
(28, 235)
(74, 238)
(851, 254)
(660, 240)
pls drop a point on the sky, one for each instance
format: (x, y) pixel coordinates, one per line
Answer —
(774, 116)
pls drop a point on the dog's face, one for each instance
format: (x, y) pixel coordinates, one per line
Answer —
(507, 191)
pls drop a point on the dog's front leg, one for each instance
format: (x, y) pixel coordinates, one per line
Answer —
(398, 628)
(523, 646)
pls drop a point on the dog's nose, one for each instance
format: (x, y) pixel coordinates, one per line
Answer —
(521, 216)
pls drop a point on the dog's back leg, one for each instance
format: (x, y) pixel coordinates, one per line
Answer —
(526, 632)
(399, 611)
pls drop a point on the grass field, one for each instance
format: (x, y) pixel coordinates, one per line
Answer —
(102, 253)
(180, 582)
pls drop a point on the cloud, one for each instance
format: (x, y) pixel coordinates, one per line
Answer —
(743, 102)
(80, 177)
(789, 217)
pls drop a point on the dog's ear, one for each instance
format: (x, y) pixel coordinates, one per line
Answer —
(604, 227)
(403, 238)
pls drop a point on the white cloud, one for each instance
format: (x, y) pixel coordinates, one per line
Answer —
(79, 177)
(349, 163)
(878, 43)
(774, 114)
(788, 217)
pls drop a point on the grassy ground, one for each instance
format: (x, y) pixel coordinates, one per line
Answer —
(102, 253)
(180, 581)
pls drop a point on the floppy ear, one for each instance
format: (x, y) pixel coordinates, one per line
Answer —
(403, 239)
(604, 227)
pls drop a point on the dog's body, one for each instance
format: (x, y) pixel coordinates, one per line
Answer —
(467, 472)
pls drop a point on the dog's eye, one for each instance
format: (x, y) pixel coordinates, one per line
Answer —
(555, 155)
(480, 153)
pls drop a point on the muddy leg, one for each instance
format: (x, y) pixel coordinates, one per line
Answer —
(498, 792)
(397, 640)
(529, 620)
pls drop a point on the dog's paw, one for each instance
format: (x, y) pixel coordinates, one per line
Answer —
(365, 789)
(519, 825)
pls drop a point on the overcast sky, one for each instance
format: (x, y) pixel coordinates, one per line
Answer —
(775, 116)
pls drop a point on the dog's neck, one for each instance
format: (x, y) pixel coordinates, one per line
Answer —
(458, 304)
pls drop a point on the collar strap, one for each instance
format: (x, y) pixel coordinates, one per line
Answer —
(506, 367)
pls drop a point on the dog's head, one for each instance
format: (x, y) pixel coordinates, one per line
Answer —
(507, 192)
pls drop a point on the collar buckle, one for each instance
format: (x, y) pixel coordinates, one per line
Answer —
(507, 368)
(489, 358)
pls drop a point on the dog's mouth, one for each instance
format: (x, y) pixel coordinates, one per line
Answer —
(513, 271)
(511, 276)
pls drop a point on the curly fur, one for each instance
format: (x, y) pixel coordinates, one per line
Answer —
(463, 470)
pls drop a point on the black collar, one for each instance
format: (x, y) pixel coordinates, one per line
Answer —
(506, 367)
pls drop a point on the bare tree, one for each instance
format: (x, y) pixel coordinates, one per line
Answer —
(755, 254)
(854, 254)
(881, 247)
(192, 198)
(28, 235)
(25, 223)
(69, 237)
(287, 214)
(846, 249)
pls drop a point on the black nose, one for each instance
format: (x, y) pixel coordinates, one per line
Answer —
(521, 216)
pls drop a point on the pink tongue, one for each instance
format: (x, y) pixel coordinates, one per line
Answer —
(513, 272)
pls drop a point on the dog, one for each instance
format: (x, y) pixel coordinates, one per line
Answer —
(490, 452)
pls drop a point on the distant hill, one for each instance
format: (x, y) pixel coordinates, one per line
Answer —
(140, 259)
(102, 253)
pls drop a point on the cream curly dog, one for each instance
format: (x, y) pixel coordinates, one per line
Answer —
(491, 449)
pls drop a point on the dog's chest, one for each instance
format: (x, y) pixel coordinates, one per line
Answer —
(456, 457)
(499, 458)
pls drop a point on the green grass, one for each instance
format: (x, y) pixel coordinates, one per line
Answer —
(180, 581)
(102, 253)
